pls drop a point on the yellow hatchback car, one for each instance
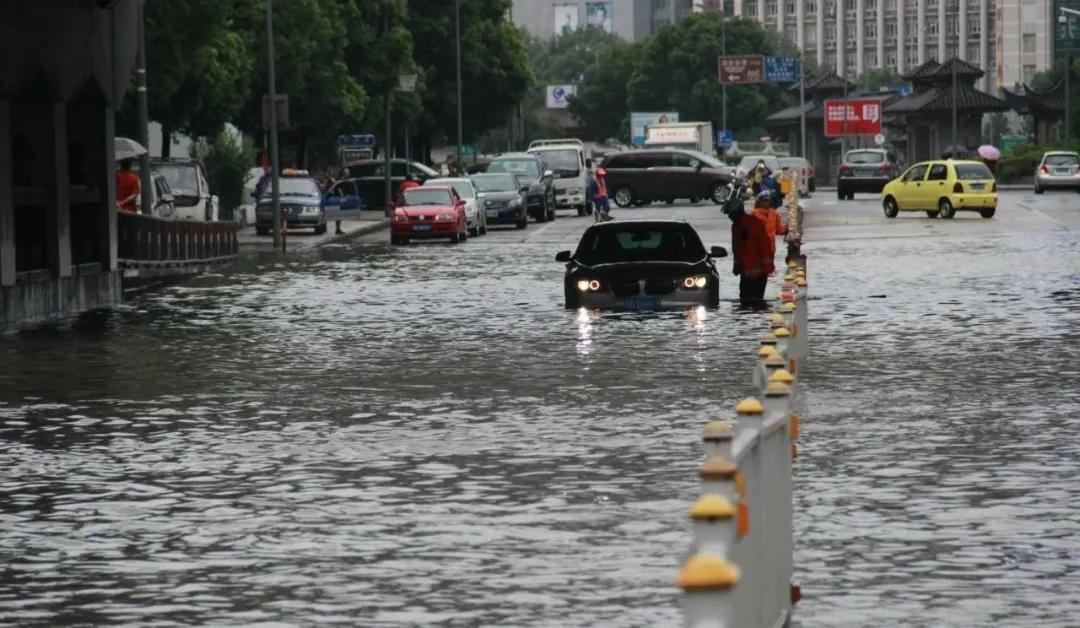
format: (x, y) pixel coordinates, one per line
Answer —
(942, 188)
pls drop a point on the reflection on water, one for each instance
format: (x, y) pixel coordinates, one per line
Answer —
(394, 437)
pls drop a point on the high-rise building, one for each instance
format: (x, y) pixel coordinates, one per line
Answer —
(633, 20)
(1010, 39)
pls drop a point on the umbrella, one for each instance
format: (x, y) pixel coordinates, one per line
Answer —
(954, 152)
(990, 153)
(127, 148)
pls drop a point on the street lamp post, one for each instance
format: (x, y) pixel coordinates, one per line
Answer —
(723, 52)
(275, 169)
(954, 64)
(144, 118)
(1063, 18)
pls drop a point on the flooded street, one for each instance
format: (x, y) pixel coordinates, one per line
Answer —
(367, 435)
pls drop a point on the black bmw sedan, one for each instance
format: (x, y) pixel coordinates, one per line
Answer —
(641, 264)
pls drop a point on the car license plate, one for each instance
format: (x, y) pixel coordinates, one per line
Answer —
(1062, 171)
(865, 172)
(978, 186)
(492, 213)
(641, 303)
(421, 227)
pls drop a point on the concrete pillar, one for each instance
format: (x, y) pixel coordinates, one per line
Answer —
(880, 34)
(942, 31)
(761, 12)
(106, 220)
(739, 8)
(820, 15)
(58, 209)
(7, 198)
(901, 37)
(962, 27)
(780, 17)
(800, 21)
(841, 37)
(920, 29)
(984, 43)
(860, 38)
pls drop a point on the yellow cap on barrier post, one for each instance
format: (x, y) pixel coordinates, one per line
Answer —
(708, 572)
(783, 376)
(717, 468)
(719, 430)
(777, 389)
(712, 507)
(782, 332)
(768, 338)
(749, 407)
(766, 351)
(787, 307)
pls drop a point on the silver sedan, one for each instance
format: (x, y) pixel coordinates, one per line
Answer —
(1058, 170)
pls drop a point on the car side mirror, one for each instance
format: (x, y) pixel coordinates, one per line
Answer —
(524, 189)
(165, 200)
(718, 251)
(548, 174)
(562, 256)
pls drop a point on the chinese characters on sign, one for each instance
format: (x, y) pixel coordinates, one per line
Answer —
(863, 117)
(742, 70)
(781, 70)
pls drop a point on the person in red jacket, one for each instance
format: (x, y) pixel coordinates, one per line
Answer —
(753, 256)
(409, 183)
(763, 209)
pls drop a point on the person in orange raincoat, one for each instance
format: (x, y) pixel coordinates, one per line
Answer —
(774, 224)
(409, 183)
(753, 254)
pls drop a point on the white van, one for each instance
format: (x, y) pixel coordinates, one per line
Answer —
(566, 159)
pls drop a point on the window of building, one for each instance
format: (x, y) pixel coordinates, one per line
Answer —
(810, 7)
(871, 59)
(871, 31)
(789, 8)
(1028, 43)
(974, 25)
(830, 33)
(890, 5)
(931, 28)
(830, 8)
(890, 58)
(1030, 12)
(770, 9)
(890, 30)
(750, 8)
(931, 5)
(811, 34)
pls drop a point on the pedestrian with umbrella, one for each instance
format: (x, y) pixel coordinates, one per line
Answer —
(990, 156)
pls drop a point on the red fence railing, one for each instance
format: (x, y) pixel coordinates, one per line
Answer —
(149, 239)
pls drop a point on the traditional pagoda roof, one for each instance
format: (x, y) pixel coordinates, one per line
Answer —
(939, 99)
(815, 110)
(922, 71)
(964, 70)
(794, 113)
(825, 83)
(1026, 101)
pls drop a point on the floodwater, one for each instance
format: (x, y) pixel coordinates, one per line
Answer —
(390, 437)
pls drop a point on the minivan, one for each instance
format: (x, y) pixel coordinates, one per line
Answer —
(640, 177)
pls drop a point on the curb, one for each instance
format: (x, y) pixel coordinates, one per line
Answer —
(375, 226)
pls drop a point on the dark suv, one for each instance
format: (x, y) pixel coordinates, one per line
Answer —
(642, 176)
(537, 179)
(865, 170)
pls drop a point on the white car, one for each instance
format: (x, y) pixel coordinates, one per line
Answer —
(474, 218)
(749, 162)
(187, 179)
(566, 160)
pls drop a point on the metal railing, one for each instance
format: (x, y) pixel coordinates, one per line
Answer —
(151, 241)
(740, 569)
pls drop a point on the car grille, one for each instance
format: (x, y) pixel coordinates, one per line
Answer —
(496, 204)
(659, 286)
(627, 288)
(421, 218)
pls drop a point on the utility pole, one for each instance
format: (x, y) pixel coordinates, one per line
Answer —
(1064, 17)
(802, 109)
(144, 118)
(457, 45)
(275, 164)
(954, 64)
(387, 164)
(723, 53)
(843, 138)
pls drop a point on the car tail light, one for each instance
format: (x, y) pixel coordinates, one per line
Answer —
(886, 168)
(958, 188)
(1043, 169)
(845, 170)
(1078, 169)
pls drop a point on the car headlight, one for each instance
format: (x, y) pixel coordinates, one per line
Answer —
(695, 282)
(515, 202)
(576, 191)
(401, 218)
(444, 217)
(311, 210)
(588, 285)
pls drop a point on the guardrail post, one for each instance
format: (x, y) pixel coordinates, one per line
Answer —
(717, 438)
(760, 374)
(707, 581)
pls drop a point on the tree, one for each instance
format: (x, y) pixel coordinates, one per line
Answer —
(874, 80)
(678, 72)
(494, 68)
(1049, 79)
(601, 102)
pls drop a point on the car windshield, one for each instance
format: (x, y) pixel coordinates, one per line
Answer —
(183, 179)
(1062, 160)
(524, 167)
(710, 162)
(463, 189)
(967, 172)
(496, 183)
(652, 243)
(294, 186)
(748, 163)
(865, 157)
(565, 160)
(426, 196)
(792, 162)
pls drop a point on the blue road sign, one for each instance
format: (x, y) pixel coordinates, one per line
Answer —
(356, 141)
(781, 70)
(723, 139)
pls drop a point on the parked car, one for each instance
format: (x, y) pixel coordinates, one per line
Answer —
(370, 178)
(1058, 170)
(941, 188)
(161, 197)
(301, 201)
(476, 219)
(643, 176)
(531, 170)
(502, 198)
(865, 170)
(187, 179)
(806, 172)
(749, 162)
(641, 264)
(566, 160)
(429, 212)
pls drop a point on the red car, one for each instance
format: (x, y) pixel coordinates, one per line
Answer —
(431, 211)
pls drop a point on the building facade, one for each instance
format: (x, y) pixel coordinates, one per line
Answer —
(1011, 39)
(633, 20)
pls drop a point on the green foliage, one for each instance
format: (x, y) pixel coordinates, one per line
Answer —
(1020, 161)
(227, 162)
(1047, 80)
(678, 72)
(874, 80)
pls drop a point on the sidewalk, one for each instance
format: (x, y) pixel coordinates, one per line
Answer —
(300, 240)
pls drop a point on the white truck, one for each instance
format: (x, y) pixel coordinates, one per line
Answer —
(565, 158)
(685, 135)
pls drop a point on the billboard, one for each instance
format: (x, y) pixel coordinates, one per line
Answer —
(638, 122)
(1067, 34)
(558, 96)
(566, 18)
(863, 117)
(781, 70)
(741, 69)
(598, 15)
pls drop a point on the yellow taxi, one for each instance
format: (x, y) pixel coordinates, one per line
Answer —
(942, 188)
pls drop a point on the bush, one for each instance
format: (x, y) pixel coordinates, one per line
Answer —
(227, 162)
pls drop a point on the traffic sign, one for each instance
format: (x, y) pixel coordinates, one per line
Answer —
(781, 70)
(863, 117)
(741, 69)
(723, 139)
(356, 141)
